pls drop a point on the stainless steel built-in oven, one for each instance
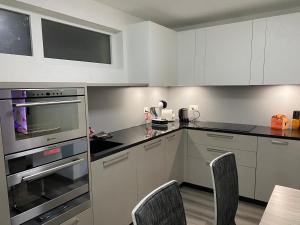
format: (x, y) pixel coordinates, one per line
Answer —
(46, 184)
(32, 118)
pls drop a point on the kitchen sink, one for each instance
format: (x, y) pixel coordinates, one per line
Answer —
(98, 145)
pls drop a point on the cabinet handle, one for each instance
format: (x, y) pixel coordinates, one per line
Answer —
(216, 150)
(77, 220)
(74, 221)
(280, 142)
(171, 137)
(152, 145)
(115, 160)
(31, 104)
(220, 136)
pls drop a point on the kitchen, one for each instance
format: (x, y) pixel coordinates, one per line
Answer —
(235, 68)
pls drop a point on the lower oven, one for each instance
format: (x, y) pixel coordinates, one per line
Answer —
(48, 184)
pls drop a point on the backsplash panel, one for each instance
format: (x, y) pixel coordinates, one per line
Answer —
(116, 108)
(250, 105)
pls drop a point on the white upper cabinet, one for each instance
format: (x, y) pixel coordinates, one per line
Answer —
(228, 54)
(137, 53)
(200, 56)
(151, 54)
(255, 52)
(282, 50)
(258, 52)
(186, 48)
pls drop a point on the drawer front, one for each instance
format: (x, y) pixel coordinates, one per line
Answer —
(231, 141)
(198, 173)
(150, 167)
(246, 181)
(278, 163)
(208, 153)
(114, 186)
(84, 218)
(174, 157)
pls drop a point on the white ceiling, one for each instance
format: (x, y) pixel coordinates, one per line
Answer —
(179, 13)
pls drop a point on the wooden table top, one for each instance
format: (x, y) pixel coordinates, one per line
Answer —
(283, 207)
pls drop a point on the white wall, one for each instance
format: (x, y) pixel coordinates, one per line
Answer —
(75, 12)
(250, 105)
(116, 108)
(88, 10)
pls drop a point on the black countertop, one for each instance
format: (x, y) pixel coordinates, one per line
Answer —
(137, 135)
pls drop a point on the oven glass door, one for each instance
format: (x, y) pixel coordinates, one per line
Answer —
(34, 122)
(41, 189)
(42, 116)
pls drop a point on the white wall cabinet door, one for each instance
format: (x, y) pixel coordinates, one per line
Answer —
(114, 188)
(150, 167)
(163, 55)
(151, 54)
(174, 156)
(283, 50)
(200, 56)
(84, 218)
(228, 54)
(258, 51)
(137, 60)
(277, 164)
(186, 48)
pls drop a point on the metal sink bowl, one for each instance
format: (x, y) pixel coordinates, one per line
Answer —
(98, 145)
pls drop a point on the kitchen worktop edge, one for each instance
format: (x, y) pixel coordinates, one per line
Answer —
(138, 136)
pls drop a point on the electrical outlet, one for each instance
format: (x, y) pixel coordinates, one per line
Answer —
(146, 109)
(194, 107)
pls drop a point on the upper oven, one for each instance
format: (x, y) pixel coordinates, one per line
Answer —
(32, 118)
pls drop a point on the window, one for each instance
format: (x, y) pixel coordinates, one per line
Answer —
(63, 41)
(15, 37)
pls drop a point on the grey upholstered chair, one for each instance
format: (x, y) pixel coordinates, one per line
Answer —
(163, 206)
(226, 189)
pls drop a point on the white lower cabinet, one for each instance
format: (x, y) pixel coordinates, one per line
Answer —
(114, 188)
(197, 169)
(174, 156)
(150, 167)
(246, 177)
(278, 163)
(119, 181)
(84, 218)
(197, 172)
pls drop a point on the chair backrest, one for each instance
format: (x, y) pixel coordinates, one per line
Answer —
(226, 189)
(163, 206)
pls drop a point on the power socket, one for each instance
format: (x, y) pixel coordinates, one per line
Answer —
(194, 107)
(146, 109)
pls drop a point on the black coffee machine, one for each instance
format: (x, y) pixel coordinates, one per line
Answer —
(183, 114)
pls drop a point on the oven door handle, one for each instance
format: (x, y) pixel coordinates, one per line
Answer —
(31, 104)
(51, 171)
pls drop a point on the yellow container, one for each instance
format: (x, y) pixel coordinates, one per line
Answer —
(295, 124)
